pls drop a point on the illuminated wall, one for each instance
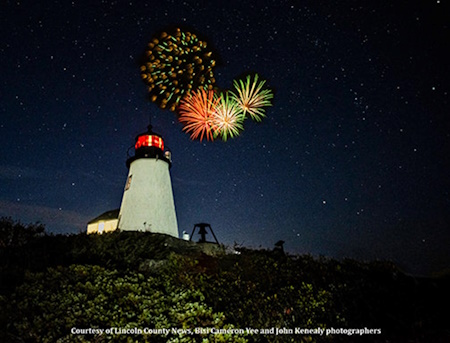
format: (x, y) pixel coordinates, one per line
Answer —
(102, 226)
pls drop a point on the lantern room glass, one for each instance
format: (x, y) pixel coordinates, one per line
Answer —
(149, 141)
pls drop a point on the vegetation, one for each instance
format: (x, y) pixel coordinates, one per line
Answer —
(53, 285)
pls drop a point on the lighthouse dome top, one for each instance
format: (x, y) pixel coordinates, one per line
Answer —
(149, 139)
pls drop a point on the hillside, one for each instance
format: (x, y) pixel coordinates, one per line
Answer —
(143, 287)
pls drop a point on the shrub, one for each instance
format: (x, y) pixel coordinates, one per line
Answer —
(48, 305)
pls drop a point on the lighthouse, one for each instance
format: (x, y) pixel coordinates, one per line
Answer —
(147, 202)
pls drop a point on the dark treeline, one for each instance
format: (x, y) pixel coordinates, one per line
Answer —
(51, 283)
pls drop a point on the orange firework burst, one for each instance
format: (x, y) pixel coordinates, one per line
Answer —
(196, 113)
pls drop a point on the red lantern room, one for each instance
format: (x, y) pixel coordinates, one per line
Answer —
(148, 141)
(149, 145)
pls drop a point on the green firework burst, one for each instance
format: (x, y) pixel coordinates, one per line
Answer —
(251, 97)
(228, 118)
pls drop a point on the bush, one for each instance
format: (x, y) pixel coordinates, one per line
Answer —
(49, 284)
(14, 233)
(252, 290)
(48, 305)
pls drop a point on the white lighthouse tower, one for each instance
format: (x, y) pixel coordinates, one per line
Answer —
(147, 203)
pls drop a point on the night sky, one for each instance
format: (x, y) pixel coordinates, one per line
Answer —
(352, 160)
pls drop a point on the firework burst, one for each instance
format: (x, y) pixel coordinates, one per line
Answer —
(176, 62)
(228, 119)
(196, 112)
(251, 97)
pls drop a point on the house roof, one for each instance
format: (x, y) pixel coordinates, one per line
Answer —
(108, 215)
